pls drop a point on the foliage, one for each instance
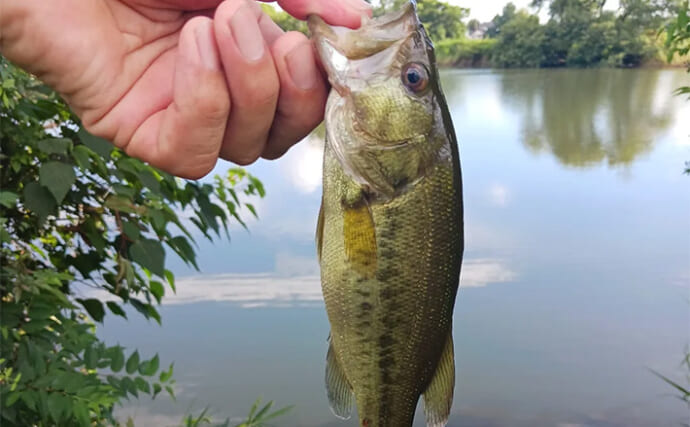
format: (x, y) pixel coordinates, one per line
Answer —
(508, 13)
(256, 418)
(678, 42)
(519, 42)
(682, 390)
(580, 33)
(441, 20)
(464, 52)
(81, 223)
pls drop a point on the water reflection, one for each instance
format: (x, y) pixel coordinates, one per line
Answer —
(295, 283)
(585, 117)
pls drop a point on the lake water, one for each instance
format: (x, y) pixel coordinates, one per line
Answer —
(576, 280)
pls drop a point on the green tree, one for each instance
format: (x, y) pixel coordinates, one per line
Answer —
(79, 217)
(441, 20)
(519, 42)
(508, 13)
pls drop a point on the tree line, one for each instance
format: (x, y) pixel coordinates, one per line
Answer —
(578, 33)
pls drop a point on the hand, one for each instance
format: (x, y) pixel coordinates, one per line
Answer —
(178, 83)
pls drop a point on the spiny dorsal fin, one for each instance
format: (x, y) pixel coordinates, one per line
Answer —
(438, 397)
(360, 239)
(340, 395)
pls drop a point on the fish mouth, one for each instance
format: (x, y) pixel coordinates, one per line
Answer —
(338, 46)
(374, 35)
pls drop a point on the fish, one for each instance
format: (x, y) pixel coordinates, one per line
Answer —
(390, 229)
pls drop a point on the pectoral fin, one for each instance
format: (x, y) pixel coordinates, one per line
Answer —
(438, 396)
(360, 239)
(340, 395)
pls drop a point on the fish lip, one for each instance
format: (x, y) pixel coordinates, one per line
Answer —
(379, 32)
(319, 28)
(337, 45)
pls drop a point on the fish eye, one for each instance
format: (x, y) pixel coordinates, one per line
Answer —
(415, 77)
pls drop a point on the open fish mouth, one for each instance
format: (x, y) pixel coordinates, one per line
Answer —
(347, 53)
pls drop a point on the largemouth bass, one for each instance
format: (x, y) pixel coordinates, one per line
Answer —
(390, 229)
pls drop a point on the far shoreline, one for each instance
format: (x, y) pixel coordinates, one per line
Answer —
(608, 67)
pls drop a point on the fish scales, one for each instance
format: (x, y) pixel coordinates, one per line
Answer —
(390, 234)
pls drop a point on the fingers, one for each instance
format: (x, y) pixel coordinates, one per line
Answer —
(346, 13)
(251, 77)
(185, 138)
(302, 93)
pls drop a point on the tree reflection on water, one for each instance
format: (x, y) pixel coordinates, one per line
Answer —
(585, 117)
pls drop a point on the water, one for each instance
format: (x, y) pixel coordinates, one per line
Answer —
(575, 282)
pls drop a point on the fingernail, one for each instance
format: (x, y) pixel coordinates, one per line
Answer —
(206, 46)
(300, 63)
(245, 31)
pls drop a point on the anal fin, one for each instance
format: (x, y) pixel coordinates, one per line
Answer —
(438, 396)
(340, 395)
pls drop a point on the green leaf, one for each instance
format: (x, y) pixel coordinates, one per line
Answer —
(149, 254)
(55, 145)
(99, 145)
(142, 385)
(171, 392)
(171, 279)
(13, 397)
(252, 209)
(116, 309)
(81, 413)
(166, 375)
(150, 367)
(81, 156)
(58, 405)
(117, 360)
(131, 230)
(184, 249)
(133, 363)
(39, 200)
(90, 358)
(8, 199)
(157, 290)
(58, 177)
(156, 389)
(94, 307)
(149, 180)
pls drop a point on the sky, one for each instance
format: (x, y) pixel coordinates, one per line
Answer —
(485, 10)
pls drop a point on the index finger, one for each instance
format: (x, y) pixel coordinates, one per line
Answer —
(346, 13)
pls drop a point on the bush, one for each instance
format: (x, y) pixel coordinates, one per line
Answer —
(78, 214)
(464, 52)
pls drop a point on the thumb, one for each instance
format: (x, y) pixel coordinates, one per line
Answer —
(185, 138)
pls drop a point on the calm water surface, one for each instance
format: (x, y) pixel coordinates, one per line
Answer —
(575, 281)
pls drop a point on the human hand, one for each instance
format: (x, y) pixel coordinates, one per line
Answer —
(178, 83)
